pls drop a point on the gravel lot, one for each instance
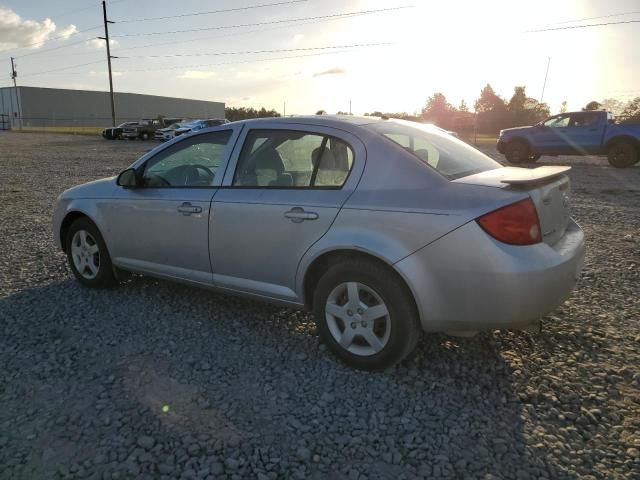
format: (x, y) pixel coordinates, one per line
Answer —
(157, 380)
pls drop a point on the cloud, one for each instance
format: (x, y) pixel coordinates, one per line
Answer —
(197, 75)
(98, 44)
(331, 71)
(16, 32)
(66, 32)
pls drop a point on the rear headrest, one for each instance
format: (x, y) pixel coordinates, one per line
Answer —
(328, 160)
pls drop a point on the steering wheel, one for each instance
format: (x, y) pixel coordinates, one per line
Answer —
(192, 175)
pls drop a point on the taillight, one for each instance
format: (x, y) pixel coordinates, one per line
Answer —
(515, 224)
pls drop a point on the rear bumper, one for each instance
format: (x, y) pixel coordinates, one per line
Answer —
(469, 281)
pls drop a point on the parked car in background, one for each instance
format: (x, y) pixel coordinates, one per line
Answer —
(573, 133)
(196, 125)
(112, 133)
(165, 134)
(146, 128)
(382, 228)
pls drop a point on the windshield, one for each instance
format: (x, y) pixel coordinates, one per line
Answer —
(446, 154)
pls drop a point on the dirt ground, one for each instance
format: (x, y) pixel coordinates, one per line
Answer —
(155, 380)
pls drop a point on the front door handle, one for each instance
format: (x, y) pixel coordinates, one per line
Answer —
(187, 209)
(298, 215)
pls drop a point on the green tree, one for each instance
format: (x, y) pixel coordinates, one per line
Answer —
(613, 105)
(518, 100)
(488, 101)
(563, 106)
(631, 113)
(591, 106)
(438, 111)
(524, 110)
(463, 106)
(242, 113)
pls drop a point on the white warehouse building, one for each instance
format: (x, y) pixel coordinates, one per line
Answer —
(31, 107)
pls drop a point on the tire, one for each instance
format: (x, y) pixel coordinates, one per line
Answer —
(88, 255)
(518, 152)
(622, 154)
(397, 332)
(144, 136)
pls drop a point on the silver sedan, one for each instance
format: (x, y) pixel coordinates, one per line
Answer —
(382, 228)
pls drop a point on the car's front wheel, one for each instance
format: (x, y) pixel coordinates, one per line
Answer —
(366, 315)
(88, 256)
(518, 152)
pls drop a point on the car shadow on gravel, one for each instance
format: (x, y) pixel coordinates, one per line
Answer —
(156, 377)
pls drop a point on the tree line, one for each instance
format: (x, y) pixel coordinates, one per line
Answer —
(493, 112)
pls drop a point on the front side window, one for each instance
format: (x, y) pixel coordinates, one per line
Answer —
(190, 163)
(293, 159)
(446, 154)
(558, 122)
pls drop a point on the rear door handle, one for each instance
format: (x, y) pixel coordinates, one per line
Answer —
(298, 215)
(187, 209)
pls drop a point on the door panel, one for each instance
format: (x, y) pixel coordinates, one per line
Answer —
(162, 227)
(552, 136)
(262, 224)
(585, 132)
(259, 236)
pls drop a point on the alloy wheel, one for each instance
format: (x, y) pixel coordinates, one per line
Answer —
(85, 254)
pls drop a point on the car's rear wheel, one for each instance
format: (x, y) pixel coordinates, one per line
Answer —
(366, 315)
(88, 256)
(622, 154)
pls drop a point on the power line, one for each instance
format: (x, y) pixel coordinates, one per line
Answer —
(61, 68)
(596, 18)
(582, 26)
(259, 60)
(201, 65)
(225, 35)
(199, 39)
(247, 52)
(39, 52)
(42, 42)
(224, 10)
(273, 22)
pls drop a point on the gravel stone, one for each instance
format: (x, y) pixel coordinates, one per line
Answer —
(158, 380)
(146, 442)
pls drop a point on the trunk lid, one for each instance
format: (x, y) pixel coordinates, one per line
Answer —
(547, 186)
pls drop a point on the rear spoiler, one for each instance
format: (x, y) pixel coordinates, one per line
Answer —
(520, 176)
(502, 177)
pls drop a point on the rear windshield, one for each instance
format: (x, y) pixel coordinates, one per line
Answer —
(449, 156)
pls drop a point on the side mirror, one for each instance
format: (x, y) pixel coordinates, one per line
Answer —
(128, 178)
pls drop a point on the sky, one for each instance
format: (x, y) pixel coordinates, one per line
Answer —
(454, 47)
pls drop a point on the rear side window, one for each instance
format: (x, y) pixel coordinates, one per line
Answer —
(293, 159)
(446, 154)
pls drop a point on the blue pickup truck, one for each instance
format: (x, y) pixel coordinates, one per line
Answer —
(574, 133)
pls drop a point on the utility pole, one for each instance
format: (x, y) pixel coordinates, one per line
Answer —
(349, 106)
(109, 57)
(545, 79)
(284, 108)
(14, 75)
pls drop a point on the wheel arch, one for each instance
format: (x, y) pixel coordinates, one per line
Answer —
(324, 261)
(67, 221)
(622, 138)
(520, 139)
